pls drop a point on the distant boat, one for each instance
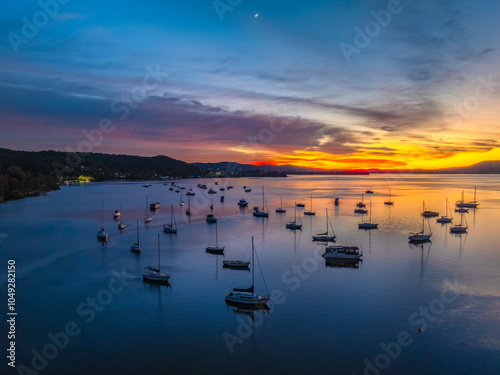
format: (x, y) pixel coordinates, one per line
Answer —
(421, 236)
(153, 274)
(247, 296)
(172, 227)
(211, 191)
(154, 206)
(190, 192)
(229, 187)
(293, 224)
(342, 252)
(361, 204)
(389, 202)
(427, 213)
(211, 219)
(337, 201)
(368, 225)
(300, 205)
(242, 203)
(222, 189)
(236, 263)
(258, 212)
(117, 214)
(215, 249)
(461, 210)
(222, 199)
(121, 225)
(147, 218)
(310, 213)
(445, 218)
(248, 190)
(181, 202)
(360, 211)
(325, 237)
(460, 228)
(136, 248)
(171, 189)
(472, 204)
(280, 210)
(101, 233)
(369, 191)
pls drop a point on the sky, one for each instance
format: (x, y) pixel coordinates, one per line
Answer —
(344, 84)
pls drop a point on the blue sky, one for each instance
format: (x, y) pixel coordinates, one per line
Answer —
(225, 80)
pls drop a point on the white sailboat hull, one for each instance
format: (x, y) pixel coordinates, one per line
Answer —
(247, 298)
(151, 274)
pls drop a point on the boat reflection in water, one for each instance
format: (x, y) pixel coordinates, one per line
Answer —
(342, 263)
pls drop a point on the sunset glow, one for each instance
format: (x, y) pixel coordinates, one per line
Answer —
(201, 86)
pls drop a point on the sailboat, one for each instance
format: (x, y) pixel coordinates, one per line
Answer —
(293, 224)
(472, 204)
(369, 191)
(101, 234)
(421, 236)
(310, 213)
(247, 296)
(427, 213)
(136, 248)
(258, 212)
(172, 227)
(445, 218)
(153, 274)
(389, 202)
(280, 210)
(324, 236)
(215, 249)
(121, 225)
(181, 203)
(368, 225)
(459, 228)
(148, 218)
(361, 204)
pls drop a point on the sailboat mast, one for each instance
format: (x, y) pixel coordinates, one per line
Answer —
(137, 231)
(474, 194)
(216, 236)
(326, 209)
(158, 253)
(262, 197)
(253, 265)
(370, 210)
(171, 214)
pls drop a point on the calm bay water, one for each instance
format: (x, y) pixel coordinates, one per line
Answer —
(326, 320)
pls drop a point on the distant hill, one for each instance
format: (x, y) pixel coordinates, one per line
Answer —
(233, 167)
(28, 173)
(484, 167)
(96, 165)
